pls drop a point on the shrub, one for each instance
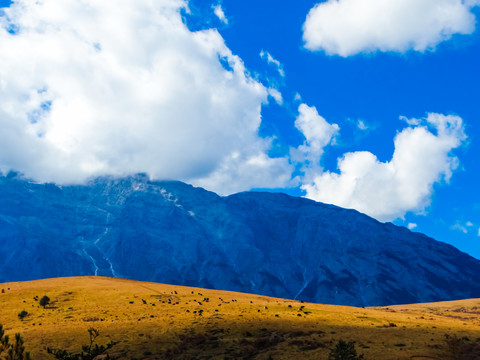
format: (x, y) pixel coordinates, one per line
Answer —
(22, 314)
(344, 351)
(89, 351)
(44, 301)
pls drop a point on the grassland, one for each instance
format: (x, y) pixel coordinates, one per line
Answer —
(156, 321)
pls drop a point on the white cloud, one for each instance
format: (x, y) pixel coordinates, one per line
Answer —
(272, 61)
(362, 125)
(241, 172)
(349, 27)
(472, 3)
(460, 227)
(96, 87)
(464, 227)
(277, 95)
(388, 190)
(412, 121)
(411, 226)
(217, 9)
(478, 231)
(318, 134)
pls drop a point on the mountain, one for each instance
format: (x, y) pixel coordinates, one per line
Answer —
(262, 243)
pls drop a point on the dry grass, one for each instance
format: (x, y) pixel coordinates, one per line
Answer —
(156, 321)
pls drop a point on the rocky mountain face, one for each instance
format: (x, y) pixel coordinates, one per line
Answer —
(262, 243)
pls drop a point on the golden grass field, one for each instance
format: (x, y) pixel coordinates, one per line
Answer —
(156, 321)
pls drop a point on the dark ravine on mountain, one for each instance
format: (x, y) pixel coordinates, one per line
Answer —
(262, 243)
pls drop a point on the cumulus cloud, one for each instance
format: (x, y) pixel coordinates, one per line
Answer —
(218, 11)
(387, 190)
(318, 134)
(97, 87)
(349, 27)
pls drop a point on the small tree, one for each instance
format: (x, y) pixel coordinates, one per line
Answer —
(89, 352)
(15, 351)
(3, 340)
(22, 314)
(44, 301)
(344, 351)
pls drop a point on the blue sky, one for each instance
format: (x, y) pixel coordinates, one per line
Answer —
(376, 88)
(239, 95)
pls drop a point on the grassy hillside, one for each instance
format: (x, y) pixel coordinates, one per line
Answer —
(156, 321)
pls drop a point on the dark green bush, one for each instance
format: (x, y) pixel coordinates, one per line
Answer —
(44, 301)
(22, 314)
(344, 351)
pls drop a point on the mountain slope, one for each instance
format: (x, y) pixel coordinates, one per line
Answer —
(262, 243)
(156, 321)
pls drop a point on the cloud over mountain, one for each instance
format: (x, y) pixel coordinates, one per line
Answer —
(95, 87)
(349, 27)
(387, 190)
(90, 87)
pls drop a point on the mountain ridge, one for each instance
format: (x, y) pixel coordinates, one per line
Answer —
(256, 242)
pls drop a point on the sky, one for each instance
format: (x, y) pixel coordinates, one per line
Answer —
(366, 104)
